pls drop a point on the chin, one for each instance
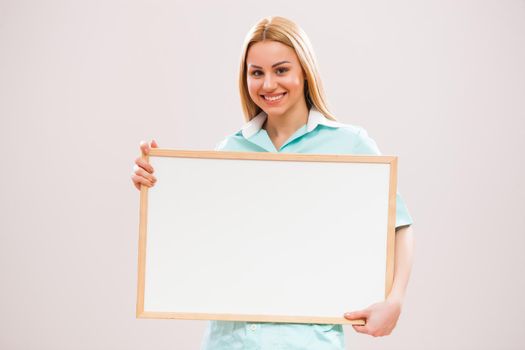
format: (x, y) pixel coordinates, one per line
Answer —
(275, 111)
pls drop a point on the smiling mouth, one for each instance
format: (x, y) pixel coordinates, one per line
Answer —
(274, 97)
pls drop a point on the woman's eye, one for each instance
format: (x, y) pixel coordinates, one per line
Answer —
(257, 73)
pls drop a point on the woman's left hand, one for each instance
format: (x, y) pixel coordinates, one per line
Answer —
(381, 318)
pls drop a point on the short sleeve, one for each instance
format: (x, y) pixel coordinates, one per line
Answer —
(366, 145)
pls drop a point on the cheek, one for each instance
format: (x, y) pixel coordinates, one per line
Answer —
(295, 84)
(253, 87)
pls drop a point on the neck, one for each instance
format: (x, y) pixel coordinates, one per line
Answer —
(283, 126)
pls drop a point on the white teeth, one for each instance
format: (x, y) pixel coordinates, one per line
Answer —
(274, 98)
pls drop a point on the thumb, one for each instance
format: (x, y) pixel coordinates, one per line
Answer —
(154, 144)
(355, 315)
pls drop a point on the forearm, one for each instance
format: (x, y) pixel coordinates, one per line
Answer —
(404, 248)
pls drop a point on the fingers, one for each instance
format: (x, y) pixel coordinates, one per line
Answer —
(139, 180)
(145, 147)
(143, 173)
(361, 329)
(374, 332)
(142, 177)
(136, 181)
(144, 165)
(142, 169)
(357, 314)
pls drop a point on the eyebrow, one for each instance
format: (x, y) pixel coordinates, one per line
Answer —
(273, 65)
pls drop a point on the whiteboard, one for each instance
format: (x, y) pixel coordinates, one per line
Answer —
(265, 237)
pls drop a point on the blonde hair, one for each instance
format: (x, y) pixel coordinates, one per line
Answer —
(285, 31)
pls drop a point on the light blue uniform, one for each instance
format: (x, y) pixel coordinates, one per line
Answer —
(322, 136)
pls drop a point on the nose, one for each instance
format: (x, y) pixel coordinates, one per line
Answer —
(269, 83)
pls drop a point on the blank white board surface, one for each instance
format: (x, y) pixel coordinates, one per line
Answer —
(265, 237)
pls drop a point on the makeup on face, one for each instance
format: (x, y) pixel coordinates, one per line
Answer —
(274, 77)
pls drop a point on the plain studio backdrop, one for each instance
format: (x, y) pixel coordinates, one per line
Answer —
(441, 84)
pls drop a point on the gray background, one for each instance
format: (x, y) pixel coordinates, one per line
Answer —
(441, 84)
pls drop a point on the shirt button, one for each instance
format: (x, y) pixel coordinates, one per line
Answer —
(252, 327)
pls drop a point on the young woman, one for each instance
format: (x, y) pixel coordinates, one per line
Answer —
(285, 111)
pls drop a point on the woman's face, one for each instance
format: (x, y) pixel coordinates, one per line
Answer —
(275, 78)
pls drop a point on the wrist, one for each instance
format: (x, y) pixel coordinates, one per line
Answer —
(395, 299)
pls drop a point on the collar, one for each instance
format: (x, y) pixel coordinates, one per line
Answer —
(314, 119)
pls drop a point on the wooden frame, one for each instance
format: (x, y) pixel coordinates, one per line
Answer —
(307, 161)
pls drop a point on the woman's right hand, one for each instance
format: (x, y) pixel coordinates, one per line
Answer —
(142, 171)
